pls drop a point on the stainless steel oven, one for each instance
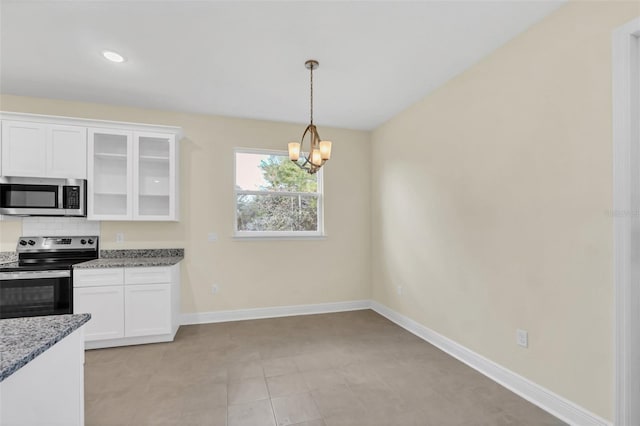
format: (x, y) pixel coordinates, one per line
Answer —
(41, 281)
(22, 196)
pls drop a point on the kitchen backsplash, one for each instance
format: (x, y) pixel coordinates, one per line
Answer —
(59, 226)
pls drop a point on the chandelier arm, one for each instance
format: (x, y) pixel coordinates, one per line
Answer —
(309, 129)
(311, 168)
(316, 136)
(306, 158)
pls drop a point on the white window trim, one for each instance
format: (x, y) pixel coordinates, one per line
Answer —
(276, 235)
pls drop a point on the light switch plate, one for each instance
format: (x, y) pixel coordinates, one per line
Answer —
(522, 338)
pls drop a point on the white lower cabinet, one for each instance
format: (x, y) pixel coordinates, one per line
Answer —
(106, 305)
(146, 309)
(128, 305)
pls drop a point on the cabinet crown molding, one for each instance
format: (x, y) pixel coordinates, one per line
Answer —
(90, 122)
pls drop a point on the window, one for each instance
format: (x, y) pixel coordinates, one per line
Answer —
(274, 198)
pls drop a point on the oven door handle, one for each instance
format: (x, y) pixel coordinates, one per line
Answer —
(32, 275)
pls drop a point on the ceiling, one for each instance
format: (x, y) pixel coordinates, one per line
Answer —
(246, 59)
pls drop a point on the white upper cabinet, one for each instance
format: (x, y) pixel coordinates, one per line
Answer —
(23, 149)
(110, 183)
(133, 175)
(154, 178)
(131, 169)
(43, 150)
(66, 152)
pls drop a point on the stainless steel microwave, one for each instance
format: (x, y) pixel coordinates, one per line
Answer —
(24, 196)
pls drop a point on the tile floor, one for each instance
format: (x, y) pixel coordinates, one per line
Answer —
(352, 368)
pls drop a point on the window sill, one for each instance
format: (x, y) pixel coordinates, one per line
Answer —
(277, 237)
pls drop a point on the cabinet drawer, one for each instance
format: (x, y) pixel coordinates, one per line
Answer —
(150, 275)
(98, 277)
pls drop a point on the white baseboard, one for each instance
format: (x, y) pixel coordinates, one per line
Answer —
(128, 341)
(273, 312)
(560, 407)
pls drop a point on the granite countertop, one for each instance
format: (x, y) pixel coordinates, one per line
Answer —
(8, 265)
(129, 262)
(115, 259)
(134, 258)
(23, 339)
(8, 259)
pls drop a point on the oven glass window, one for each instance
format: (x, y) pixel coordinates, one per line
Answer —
(37, 297)
(43, 296)
(29, 196)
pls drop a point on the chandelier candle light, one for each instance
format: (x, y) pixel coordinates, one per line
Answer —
(320, 151)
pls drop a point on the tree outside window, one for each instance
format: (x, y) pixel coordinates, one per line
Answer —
(274, 197)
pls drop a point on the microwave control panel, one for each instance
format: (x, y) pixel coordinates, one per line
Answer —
(71, 197)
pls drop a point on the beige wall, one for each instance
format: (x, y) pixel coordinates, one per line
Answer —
(249, 273)
(490, 199)
(10, 230)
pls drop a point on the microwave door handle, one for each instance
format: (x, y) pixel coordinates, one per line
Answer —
(31, 275)
(61, 197)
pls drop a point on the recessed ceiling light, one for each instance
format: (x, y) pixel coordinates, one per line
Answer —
(113, 56)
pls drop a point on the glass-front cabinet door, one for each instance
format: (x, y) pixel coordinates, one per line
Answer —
(110, 174)
(154, 180)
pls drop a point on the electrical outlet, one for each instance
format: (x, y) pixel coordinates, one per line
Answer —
(400, 290)
(215, 289)
(212, 236)
(119, 237)
(522, 338)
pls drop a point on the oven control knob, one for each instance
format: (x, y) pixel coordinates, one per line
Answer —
(90, 241)
(83, 241)
(23, 243)
(32, 243)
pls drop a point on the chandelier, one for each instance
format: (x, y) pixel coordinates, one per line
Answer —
(319, 150)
